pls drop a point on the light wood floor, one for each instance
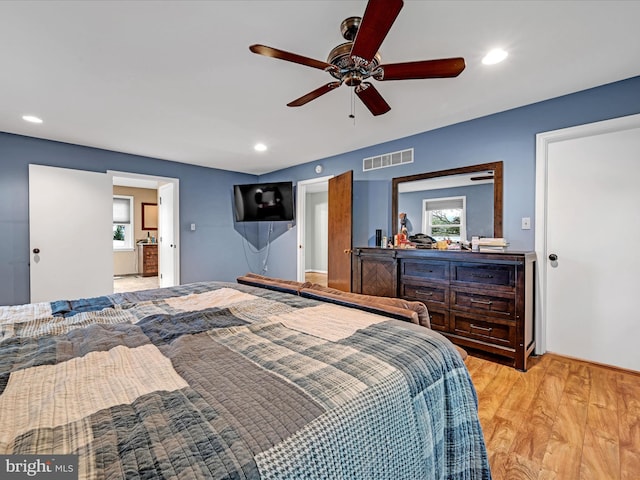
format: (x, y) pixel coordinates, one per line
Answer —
(131, 283)
(313, 277)
(561, 420)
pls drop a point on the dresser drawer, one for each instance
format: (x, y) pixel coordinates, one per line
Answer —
(429, 293)
(439, 319)
(150, 263)
(487, 274)
(494, 331)
(428, 270)
(148, 260)
(484, 302)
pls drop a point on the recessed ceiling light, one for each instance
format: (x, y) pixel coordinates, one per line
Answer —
(494, 56)
(260, 147)
(31, 118)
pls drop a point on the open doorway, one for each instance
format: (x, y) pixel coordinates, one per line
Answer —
(70, 225)
(150, 258)
(312, 222)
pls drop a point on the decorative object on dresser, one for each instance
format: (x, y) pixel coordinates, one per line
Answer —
(483, 302)
(486, 244)
(148, 259)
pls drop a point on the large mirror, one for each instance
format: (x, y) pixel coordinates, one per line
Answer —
(476, 189)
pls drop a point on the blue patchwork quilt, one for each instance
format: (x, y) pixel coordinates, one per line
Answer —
(224, 381)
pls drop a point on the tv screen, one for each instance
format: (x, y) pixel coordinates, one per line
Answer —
(263, 202)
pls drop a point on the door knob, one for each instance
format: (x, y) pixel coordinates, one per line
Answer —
(36, 250)
(553, 257)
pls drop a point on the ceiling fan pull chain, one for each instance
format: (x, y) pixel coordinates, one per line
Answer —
(353, 107)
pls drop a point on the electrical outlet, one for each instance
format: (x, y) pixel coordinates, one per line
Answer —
(526, 223)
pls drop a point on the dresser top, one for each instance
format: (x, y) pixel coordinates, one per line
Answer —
(458, 255)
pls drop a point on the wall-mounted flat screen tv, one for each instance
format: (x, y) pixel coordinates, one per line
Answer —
(263, 202)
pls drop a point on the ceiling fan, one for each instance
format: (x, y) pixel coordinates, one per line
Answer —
(357, 60)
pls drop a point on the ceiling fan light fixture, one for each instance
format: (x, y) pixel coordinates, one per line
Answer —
(353, 79)
(496, 55)
(349, 27)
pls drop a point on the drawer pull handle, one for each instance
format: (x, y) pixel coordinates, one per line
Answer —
(425, 294)
(484, 329)
(482, 302)
(480, 275)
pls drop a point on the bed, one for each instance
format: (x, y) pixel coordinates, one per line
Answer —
(218, 380)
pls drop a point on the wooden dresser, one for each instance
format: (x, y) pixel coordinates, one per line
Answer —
(483, 302)
(148, 259)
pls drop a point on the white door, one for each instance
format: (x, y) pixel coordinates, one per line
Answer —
(168, 235)
(70, 233)
(590, 253)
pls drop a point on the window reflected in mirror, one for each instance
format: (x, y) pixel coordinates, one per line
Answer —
(444, 218)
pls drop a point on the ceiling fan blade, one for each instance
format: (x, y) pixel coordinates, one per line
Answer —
(372, 98)
(376, 22)
(289, 57)
(313, 95)
(443, 68)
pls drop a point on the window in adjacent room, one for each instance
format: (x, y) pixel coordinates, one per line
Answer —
(123, 222)
(445, 218)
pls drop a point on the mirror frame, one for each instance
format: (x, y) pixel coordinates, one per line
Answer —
(149, 216)
(497, 191)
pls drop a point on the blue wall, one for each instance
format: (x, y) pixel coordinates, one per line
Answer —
(508, 136)
(221, 250)
(479, 200)
(215, 251)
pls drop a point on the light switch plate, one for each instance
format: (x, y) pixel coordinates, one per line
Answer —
(193, 227)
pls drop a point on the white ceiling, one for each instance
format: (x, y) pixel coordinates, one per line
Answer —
(176, 80)
(447, 181)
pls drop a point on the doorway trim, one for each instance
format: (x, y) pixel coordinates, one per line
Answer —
(154, 181)
(543, 140)
(301, 198)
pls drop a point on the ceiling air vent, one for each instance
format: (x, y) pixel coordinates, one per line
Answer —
(388, 160)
